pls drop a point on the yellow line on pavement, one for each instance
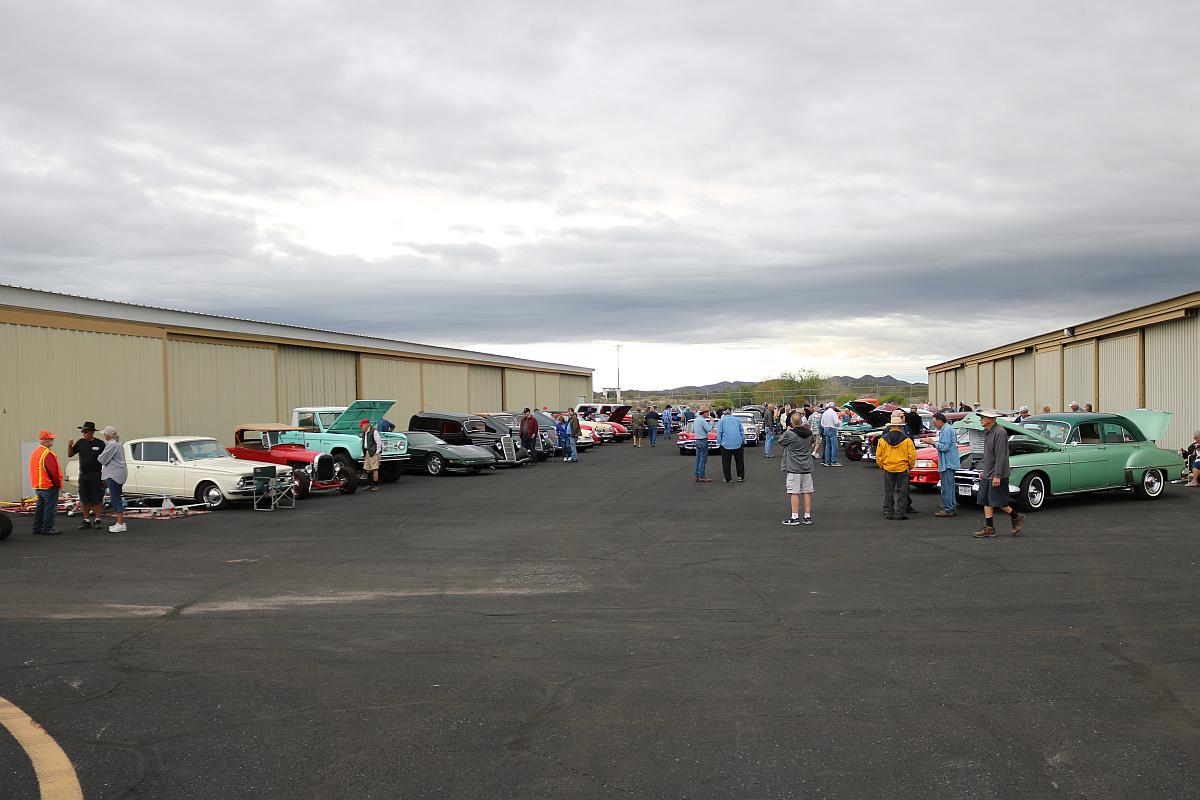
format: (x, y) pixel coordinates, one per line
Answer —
(56, 777)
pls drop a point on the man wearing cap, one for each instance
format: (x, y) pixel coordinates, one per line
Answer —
(993, 477)
(1075, 406)
(946, 443)
(372, 444)
(896, 455)
(529, 435)
(91, 486)
(1022, 414)
(829, 438)
(46, 477)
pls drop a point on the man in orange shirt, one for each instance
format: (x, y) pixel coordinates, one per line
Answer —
(47, 480)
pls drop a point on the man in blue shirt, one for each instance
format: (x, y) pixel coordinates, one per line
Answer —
(731, 436)
(946, 443)
(701, 427)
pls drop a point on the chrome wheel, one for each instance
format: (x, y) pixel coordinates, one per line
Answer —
(1152, 484)
(433, 465)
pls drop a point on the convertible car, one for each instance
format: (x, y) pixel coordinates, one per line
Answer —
(434, 455)
(1071, 453)
(312, 471)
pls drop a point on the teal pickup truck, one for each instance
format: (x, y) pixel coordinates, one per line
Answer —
(334, 430)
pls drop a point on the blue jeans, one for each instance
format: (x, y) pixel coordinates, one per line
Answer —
(701, 458)
(768, 443)
(46, 511)
(574, 454)
(653, 429)
(949, 501)
(114, 496)
(830, 453)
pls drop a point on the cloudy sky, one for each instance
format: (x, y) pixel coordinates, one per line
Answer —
(728, 190)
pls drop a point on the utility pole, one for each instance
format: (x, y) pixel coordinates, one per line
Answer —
(618, 373)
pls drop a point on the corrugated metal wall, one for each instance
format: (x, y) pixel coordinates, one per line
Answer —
(58, 379)
(486, 390)
(447, 387)
(1023, 372)
(396, 379)
(1004, 383)
(548, 388)
(987, 385)
(519, 388)
(1118, 374)
(1048, 375)
(1173, 376)
(1079, 373)
(310, 376)
(960, 385)
(571, 388)
(970, 384)
(214, 387)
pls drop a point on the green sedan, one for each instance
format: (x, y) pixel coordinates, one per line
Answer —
(1073, 453)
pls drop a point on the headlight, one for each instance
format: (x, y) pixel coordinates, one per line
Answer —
(924, 463)
(244, 482)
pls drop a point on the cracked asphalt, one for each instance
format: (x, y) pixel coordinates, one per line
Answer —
(611, 629)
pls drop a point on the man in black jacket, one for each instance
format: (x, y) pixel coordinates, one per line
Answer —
(993, 477)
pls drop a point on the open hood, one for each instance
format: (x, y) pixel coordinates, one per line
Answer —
(618, 413)
(1152, 424)
(875, 415)
(971, 422)
(373, 410)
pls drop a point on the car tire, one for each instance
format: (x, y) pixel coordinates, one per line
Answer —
(346, 472)
(5, 526)
(683, 451)
(1151, 485)
(1035, 488)
(434, 465)
(854, 451)
(302, 483)
(211, 495)
(389, 473)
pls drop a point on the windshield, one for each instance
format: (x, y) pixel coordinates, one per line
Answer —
(422, 439)
(201, 450)
(506, 419)
(327, 418)
(475, 426)
(1048, 429)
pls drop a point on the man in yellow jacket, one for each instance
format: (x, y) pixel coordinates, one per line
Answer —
(896, 455)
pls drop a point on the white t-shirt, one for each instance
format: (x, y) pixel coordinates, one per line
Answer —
(829, 418)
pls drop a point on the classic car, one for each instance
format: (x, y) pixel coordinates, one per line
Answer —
(587, 431)
(753, 427)
(852, 436)
(925, 474)
(619, 419)
(1073, 452)
(311, 470)
(334, 430)
(685, 440)
(193, 467)
(871, 437)
(432, 454)
(492, 435)
(547, 441)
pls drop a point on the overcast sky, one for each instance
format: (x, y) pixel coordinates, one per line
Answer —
(726, 189)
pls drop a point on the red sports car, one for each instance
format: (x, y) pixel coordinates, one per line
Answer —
(925, 473)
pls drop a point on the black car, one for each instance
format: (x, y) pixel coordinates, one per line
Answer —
(430, 453)
(472, 429)
(547, 441)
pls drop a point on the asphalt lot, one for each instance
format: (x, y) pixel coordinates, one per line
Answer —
(612, 629)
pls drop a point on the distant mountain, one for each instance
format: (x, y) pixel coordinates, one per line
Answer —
(712, 388)
(844, 381)
(871, 380)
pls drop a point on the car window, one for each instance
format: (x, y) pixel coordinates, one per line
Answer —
(1116, 433)
(151, 451)
(201, 450)
(327, 418)
(1048, 429)
(422, 439)
(450, 427)
(308, 421)
(475, 426)
(1086, 433)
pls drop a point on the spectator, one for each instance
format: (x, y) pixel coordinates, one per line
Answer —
(701, 427)
(1045, 409)
(896, 455)
(1191, 456)
(387, 426)
(963, 408)
(813, 417)
(1022, 414)
(1087, 407)
(688, 415)
(769, 431)
(529, 435)
(91, 485)
(798, 448)
(946, 443)
(372, 446)
(913, 422)
(668, 421)
(829, 424)
(1075, 406)
(732, 436)
(46, 477)
(652, 418)
(114, 472)
(576, 432)
(563, 431)
(639, 426)
(993, 477)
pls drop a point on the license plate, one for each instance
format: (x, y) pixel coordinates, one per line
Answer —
(964, 490)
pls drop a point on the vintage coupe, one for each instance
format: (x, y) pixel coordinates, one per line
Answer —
(312, 470)
(193, 467)
(492, 435)
(334, 430)
(753, 427)
(925, 474)
(685, 440)
(1072, 453)
(434, 455)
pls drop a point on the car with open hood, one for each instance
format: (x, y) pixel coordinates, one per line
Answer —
(431, 454)
(492, 434)
(334, 430)
(186, 467)
(312, 470)
(852, 436)
(1076, 452)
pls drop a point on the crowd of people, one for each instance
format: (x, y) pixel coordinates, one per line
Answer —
(101, 469)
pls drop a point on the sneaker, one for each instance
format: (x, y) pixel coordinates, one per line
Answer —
(902, 516)
(807, 520)
(741, 480)
(97, 523)
(945, 513)
(888, 516)
(835, 464)
(85, 526)
(791, 521)
(1018, 523)
(51, 533)
(986, 532)
(703, 480)
(117, 528)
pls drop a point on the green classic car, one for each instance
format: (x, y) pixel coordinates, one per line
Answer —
(1072, 453)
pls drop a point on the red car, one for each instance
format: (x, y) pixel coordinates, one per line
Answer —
(686, 440)
(313, 471)
(925, 473)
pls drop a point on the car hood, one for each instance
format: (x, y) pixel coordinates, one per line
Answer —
(373, 410)
(1152, 424)
(972, 422)
(228, 466)
(618, 413)
(875, 415)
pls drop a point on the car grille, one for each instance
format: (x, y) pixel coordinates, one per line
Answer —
(508, 448)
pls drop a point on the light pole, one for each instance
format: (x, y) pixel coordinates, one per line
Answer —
(618, 373)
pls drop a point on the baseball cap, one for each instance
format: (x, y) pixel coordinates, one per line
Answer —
(991, 412)
(45, 434)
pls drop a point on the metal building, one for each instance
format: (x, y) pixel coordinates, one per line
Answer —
(152, 371)
(1147, 357)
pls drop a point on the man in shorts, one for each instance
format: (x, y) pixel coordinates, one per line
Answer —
(797, 445)
(91, 486)
(372, 444)
(993, 477)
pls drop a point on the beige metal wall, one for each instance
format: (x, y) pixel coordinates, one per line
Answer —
(970, 384)
(571, 388)
(1118, 374)
(960, 385)
(1048, 378)
(987, 385)
(1023, 382)
(393, 379)
(1173, 376)
(1004, 383)
(519, 388)
(548, 389)
(214, 387)
(58, 379)
(310, 376)
(447, 387)
(1079, 373)
(487, 389)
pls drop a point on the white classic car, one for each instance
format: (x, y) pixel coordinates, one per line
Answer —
(185, 467)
